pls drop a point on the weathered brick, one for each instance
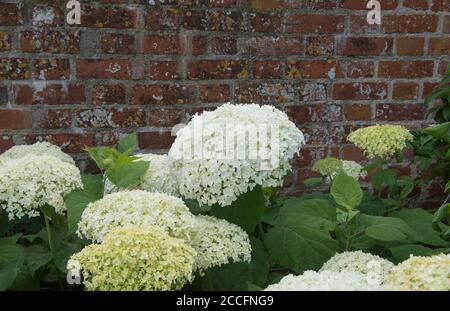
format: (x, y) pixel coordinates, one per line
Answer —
(311, 91)
(162, 19)
(304, 23)
(364, 46)
(165, 117)
(359, 90)
(198, 45)
(109, 17)
(360, 69)
(273, 46)
(224, 45)
(405, 91)
(416, 4)
(272, 4)
(353, 153)
(217, 69)
(71, 143)
(15, 119)
(155, 140)
(5, 41)
(121, 69)
(164, 70)
(313, 69)
(164, 45)
(357, 112)
(320, 45)
(111, 118)
(49, 94)
(162, 94)
(9, 14)
(397, 112)
(439, 46)
(47, 15)
(106, 94)
(264, 93)
(214, 93)
(50, 41)
(265, 21)
(14, 69)
(315, 113)
(410, 45)
(55, 119)
(213, 20)
(405, 69)
(112, 43)
(52, 69)
(267, 69)
(409, 23)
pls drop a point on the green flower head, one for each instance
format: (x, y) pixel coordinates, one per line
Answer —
(380, 140)
(328, 166)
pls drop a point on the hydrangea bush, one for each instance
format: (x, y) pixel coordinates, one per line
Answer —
(209, 216)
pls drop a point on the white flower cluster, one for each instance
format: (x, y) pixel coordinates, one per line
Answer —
(31, 182)
(135, 207)
(331, 167)
(353, 169)
(215, 241)
(159, 177)
(325, 281)
(37, 149)
(373, 267)
(224, 153)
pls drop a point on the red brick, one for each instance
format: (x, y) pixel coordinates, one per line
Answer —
(314, 113)
(265, 93)
(399, 112)
(429, 87)
(50, 41)
(161, 19)
(50, 94)
(304, 174)
(272, 4)
(327, 135)
(357, 112)
(416, 4)
(265, 21)
(109, 17)
(359, 90)
(409, 23)
(267, 69)
(52, 69)
(405, 69)
(313, 69)
(358, 25)
(304, 23)
(164, 45)
(320, 45)
(14, 69)
(215, 93)
(217, 69)
(164, 70)
(199, 45)
(165, 117)
(360, 69)
(441, 6)
(223, 45)
(155, 140)
(410, 45)
(121, 69)
(213, 20)
(162, 94)
(113, 43)
(364, 46)
(9, 14)
(71, 143)
(352, 153)
(273, 46)
(55, 119)
(446, 24)
(361, 5)
(5, 41)
(308, 156)
(312, 91)
(15, 119)
(439, 46)
(105, 94)
(405, 91)
(111, 118)
(6, 142)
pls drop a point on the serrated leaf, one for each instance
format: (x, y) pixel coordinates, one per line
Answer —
(346, 191)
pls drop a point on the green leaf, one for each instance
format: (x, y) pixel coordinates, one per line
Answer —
(447, 185)
(385, 177)
(300, 247)
(10, 254)
(229, 277)
(314, 181)
(346, 191)
(12, 240)
(421, 222)
(127, 175)
(386, 229)
(102, 156)
(317, 213)
(407, 184)
(246, 211)
(37, 256)
(403, 252)
(128, 144)
(63, 252)
(260, 264)
(8, 275)
(440, 131)
(78, 200)
(442, 213)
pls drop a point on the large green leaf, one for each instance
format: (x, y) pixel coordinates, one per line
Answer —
(125, 175)
(128, 144)
(8, 275)
(230, 277)
(37, 256)
(317, 213)
(440, 131)
(384, 177)
(387, 229)
(422, 223)
(246, 211)
(78, 200)
(63, 252)
(403, 252)
(346, 191)
(260, 264)
(11, 260)
(300, 247)
(11, 240)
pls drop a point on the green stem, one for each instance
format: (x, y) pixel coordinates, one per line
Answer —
(50, 245)
(260, 231)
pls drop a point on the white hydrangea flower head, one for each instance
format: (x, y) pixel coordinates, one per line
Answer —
(353, 169)
(39, 148)
(135, 258)
(218, 242)
(160, 176)
(326, 281)
(331, 167)
(369, 265)
(31, 182)
(421, 274)
(224, 153)
(135, 207)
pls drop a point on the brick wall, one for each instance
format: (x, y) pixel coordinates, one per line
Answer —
(144, 66)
